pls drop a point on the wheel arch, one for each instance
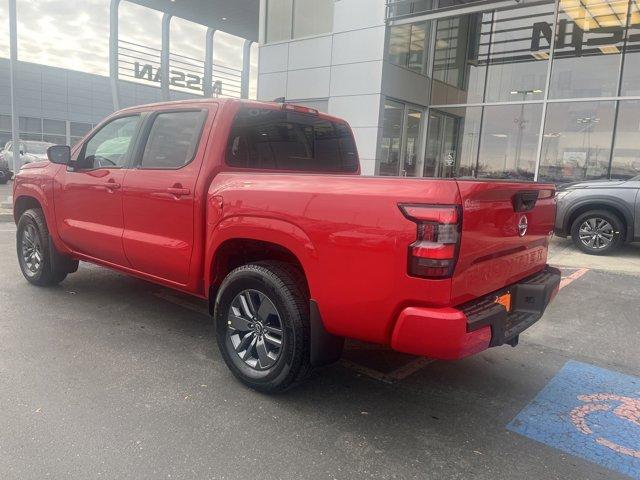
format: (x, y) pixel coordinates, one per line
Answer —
(24, 203)
(240, 239)
(608, 204)
(249, 238)
(238, 251)
(30, 196)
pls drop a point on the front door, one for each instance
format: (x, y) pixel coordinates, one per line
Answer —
(159, 195)
(88, 196)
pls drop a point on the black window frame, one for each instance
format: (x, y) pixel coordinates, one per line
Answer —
(129, 155)
(333, 122)
(146, 131)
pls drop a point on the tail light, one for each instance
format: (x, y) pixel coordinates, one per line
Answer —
(435, 251)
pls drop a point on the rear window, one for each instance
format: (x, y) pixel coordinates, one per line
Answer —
(173, 139)
(282, 140)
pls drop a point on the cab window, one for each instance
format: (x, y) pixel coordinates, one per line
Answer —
(173, 139)
(109, 147)
(279, 140)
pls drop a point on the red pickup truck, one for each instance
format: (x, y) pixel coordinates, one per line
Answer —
(260, 208)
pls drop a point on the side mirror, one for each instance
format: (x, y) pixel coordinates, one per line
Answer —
(60, 154)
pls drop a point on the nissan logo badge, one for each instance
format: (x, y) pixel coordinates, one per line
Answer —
(523, 224)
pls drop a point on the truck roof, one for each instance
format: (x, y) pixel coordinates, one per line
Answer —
(224, 101)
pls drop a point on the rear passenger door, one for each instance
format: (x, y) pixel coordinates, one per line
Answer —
(159, 192)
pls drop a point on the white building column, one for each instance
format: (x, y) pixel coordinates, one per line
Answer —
(341, 69)
(356, 73)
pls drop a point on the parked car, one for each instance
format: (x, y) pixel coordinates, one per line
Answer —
(599, 215)
(5, 171)
(260, 208)
(30, 151)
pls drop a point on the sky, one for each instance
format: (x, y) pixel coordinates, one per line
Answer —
(75, 34)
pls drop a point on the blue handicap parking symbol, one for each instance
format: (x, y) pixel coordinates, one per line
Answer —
(589, 412)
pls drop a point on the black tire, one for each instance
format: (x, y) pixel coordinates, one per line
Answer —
(4, 178)
(52, 267)
(603, 245)
(284, 286)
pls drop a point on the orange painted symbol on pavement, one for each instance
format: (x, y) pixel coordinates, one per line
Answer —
(628, 409)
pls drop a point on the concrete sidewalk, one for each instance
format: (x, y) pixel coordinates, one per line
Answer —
(5, 202)
(626, 260)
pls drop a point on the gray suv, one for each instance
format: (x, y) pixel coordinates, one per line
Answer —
(599, 215)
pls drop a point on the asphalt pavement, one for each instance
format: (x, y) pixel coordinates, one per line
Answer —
(106, 376)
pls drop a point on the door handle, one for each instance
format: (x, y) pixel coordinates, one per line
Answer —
(178, 191)
(113, 185)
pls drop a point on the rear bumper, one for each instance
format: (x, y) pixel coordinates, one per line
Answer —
(452, 333)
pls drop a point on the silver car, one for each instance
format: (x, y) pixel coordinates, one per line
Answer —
(30, 151)
(599, 215)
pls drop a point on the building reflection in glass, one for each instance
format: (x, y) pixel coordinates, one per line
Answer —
(490, 72)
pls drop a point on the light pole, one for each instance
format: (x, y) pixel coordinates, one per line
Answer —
(587, 124)
(13, 59)
(521, 122)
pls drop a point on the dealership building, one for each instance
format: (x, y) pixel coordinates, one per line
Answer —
(533, 90)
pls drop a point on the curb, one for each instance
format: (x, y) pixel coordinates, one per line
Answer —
(6, 216)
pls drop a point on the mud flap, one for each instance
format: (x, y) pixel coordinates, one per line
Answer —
(325, 347)
(62, 262)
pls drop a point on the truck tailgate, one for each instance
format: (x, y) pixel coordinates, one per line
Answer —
(496, 249)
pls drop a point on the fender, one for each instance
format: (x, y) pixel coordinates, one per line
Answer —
(603, 200)
(325, 347)
(43, 193)
(266, 229)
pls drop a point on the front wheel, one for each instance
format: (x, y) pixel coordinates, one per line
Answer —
(598, 232)
(262, 325)
(36, 254)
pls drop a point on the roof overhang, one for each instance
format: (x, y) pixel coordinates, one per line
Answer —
(237, 17)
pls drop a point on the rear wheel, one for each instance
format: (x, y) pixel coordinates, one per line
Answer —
(262, 325)
(40, 264)
(598, 232)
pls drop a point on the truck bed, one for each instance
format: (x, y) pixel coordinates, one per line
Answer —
(355, 239)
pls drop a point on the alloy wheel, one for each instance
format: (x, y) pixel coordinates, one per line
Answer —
(255, 329)
(596, 233)
(31, 250)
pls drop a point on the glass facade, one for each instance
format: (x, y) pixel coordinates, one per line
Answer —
(577, 141)
(546, 91)
(408, 47)
(43, 129)
(391, 138)
(452, 142)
